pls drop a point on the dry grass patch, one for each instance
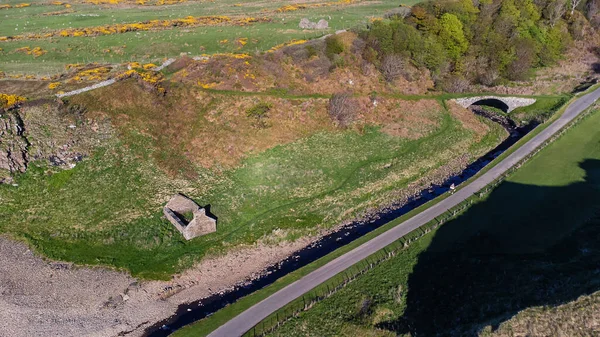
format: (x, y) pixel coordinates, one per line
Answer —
(468, 119)
(225, 135)
(405, 119)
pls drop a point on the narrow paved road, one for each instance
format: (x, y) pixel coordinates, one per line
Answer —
(247, 319)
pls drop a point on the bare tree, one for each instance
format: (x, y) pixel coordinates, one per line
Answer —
(593, 12)
(555, 10)
(342, 109)
(574, 4)
(394, 66)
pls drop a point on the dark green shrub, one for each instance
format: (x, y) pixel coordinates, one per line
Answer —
(259, 113)
(311, 51)
(333, 46)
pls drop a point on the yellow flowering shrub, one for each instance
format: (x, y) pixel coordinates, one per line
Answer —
(290, 8)
(94, 74)
(290, 43)
(207, 86)
(149, 66)
(54, 85)
(295, 7)
(73, 66)
(189, 21)
(22, 5)
(36, 52)
(6, 101)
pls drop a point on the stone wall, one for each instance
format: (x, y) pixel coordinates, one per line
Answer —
(201, 223)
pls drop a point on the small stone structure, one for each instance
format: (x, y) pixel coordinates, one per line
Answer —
(511, 102)
(201, 223)
(307, 24)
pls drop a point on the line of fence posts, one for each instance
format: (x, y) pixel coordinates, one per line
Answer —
(330, 287)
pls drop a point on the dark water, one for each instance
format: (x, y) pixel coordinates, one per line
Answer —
(191, 312)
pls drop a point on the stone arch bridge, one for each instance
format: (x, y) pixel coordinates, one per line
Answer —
(506, 104)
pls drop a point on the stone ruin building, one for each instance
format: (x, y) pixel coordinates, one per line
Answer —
(200, 224)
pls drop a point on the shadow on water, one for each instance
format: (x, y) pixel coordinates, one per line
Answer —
(523, 246)
(191, 312)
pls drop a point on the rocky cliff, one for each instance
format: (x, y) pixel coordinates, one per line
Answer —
(13, 145)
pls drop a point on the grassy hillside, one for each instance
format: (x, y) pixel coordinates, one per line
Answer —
(298, 176)
(530, 242)
(43, 17)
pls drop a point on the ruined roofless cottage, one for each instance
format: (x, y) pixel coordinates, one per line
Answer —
(201, 223)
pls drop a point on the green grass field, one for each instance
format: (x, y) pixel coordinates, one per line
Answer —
(154, 46)
(531, 242)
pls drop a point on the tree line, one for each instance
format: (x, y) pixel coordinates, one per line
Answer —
(486, 42)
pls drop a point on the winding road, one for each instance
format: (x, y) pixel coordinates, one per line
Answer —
(252, 316)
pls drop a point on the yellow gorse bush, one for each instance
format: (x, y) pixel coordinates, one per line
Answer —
(295, 7)
(207, 86)
(36, 52)
(136, 2)
(94, 74)
(6, 101)
(290, 43)
(54, 85)
(189, 21)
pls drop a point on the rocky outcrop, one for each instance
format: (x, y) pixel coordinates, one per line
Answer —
(13, 145)
(56, 135)
(307, 24)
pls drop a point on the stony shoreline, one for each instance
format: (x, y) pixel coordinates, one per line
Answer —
(46, 298)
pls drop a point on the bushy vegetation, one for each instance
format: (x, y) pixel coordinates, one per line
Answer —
(485, 42)
(259, 113)
(531, 242)
(342, 109)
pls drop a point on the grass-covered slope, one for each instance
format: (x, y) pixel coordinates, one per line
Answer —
(530, 242)
(107, 210)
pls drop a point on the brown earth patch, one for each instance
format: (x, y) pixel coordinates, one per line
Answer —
(190, 126)
(225, 135)
(468, 119)
(405, 119)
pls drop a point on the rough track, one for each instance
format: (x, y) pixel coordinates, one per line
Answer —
(247, 319)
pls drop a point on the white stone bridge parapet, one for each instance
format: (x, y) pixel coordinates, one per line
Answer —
(511, 103)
